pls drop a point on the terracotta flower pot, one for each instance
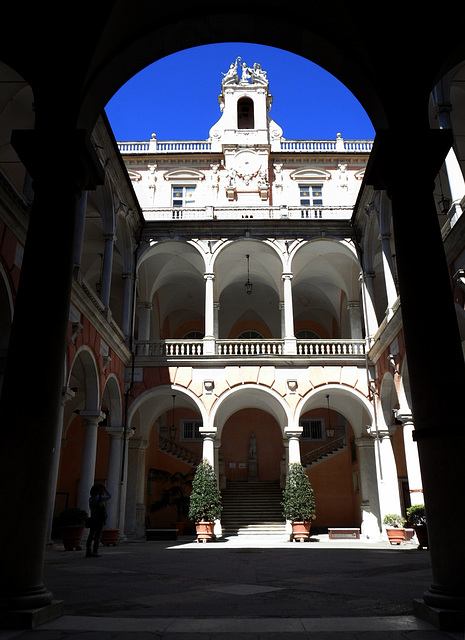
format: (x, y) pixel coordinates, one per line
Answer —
(72, 535)
(396, 535)
(301, 530)
(422, 535)
(109, 536)
(204, 531)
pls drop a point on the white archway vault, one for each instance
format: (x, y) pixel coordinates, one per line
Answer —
(154, 402)
(349, 402)
(249, 396)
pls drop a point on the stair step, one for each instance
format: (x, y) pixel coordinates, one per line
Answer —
(252, 508)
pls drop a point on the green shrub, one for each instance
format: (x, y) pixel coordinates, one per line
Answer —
(298, 499)
(205, 499)
(416, 515)
(393, 520)
(72, 517)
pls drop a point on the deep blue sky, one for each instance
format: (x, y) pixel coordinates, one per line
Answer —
(177, 96)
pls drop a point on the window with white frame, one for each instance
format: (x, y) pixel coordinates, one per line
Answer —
(311, 197)
(183, 195)
(190, 429)
(313, 428)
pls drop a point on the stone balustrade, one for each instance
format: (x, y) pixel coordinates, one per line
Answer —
(256, 213)
(195, 146)
(345, 350)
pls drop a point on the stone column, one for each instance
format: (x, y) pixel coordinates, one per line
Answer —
(67, 395)
(454, 172)
(388, 271)
(208, 448)
(89, 456)
(368, 297)
(436, 394)
(114, 475)
(80, 228)
(107, 269)
(145, 315)
(388, 483)
(209, 339)
(29, 413)
(128, 311)
(136, 486)
(294, 444)
(216, 311)
(290, 344)
(355, 320)
(370, 512)
(411, 459)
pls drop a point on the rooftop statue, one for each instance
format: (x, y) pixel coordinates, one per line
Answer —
(255, 74)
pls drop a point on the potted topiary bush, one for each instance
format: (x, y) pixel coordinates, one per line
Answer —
(416, 516)
(205, 501)
(72, 521)
(394, 528)
(298, 501)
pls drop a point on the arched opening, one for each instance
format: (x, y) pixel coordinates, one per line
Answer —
(252, 447)
(245, 114)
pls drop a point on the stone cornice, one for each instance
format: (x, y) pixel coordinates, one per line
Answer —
(90, 308)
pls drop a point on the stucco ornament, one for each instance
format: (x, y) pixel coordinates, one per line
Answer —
(255, 74)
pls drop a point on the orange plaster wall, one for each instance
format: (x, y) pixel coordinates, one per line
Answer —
(336, 503)
(156, 459)
(70, 463)
(71, 457)
(235, 444)
(399, 451)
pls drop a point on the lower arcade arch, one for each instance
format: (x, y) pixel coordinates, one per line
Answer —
(338, 455)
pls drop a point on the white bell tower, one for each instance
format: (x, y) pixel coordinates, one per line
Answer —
(245, 133)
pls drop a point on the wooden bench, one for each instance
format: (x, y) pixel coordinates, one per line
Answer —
(345, 533)
(161, 534)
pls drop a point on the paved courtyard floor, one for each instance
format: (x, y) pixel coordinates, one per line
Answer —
(249, 588)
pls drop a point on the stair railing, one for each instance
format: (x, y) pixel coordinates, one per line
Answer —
(324, 450)
(179, 451)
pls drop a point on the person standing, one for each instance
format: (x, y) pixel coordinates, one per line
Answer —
(99, 495)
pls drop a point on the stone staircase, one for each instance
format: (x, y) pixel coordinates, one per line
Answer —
(252, 508)
(328, 450)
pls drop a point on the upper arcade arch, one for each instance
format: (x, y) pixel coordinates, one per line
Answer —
(325, 280)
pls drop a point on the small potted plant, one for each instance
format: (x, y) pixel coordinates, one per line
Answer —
(298, 501)
(416, 516)
(72, 522)
(205, 501)
(394, 528)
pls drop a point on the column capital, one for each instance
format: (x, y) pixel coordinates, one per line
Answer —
(405, 417)
(368, 443)
(293, 432)
(92, 416)
(208, 433)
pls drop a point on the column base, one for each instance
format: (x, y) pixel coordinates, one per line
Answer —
(31, 618)
(444, 619)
